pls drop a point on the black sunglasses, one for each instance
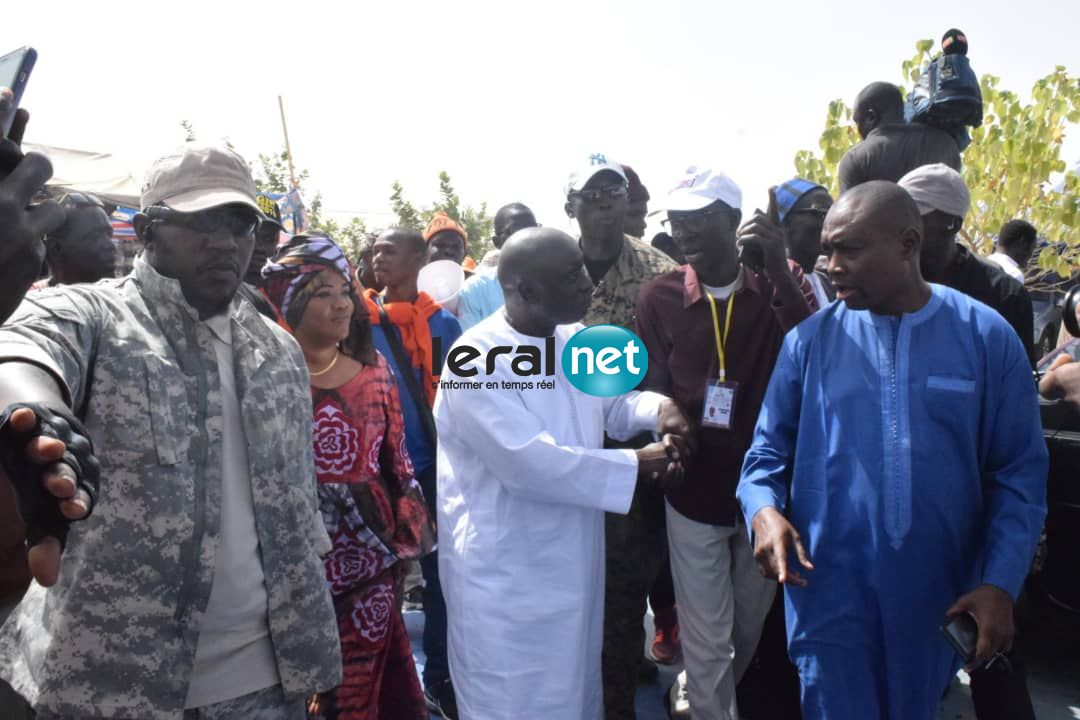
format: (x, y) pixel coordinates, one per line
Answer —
(609, 193)
(237, 219)
(693, 222)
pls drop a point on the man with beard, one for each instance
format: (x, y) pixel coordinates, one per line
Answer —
(206, 534)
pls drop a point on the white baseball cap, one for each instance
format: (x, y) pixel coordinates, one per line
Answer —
(597, 163)
(701, 186)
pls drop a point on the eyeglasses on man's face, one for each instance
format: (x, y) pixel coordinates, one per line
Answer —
(238, 220)
(693, 222)
(611, 192)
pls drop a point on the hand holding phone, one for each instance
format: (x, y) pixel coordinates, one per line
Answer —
(15, 70)
(962, 632)
(761, 240)
(989, 609)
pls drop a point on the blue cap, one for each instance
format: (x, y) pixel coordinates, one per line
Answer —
(789, 193)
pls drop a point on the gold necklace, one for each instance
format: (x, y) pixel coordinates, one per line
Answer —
(314, 373)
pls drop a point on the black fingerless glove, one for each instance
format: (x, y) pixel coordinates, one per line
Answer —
(38, 507)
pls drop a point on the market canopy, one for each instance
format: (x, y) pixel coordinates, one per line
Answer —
(99, 173)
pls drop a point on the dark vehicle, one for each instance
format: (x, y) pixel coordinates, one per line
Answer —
(1058, 578)
(1046, 307)
(1047, 292)
(1057, 574)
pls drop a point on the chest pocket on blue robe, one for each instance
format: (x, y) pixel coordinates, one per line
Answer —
(954, 405)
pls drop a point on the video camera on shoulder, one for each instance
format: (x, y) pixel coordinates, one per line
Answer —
(947, 95)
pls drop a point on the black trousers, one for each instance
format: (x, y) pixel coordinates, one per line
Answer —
(436, 665)
(1001, 693)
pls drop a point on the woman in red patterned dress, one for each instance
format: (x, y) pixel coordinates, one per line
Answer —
(371, 504)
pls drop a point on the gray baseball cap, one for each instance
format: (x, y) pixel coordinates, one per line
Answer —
(199, 177)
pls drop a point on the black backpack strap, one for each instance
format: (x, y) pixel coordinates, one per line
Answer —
(405, 368)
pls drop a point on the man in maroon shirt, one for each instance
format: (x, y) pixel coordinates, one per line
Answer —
(713, 330)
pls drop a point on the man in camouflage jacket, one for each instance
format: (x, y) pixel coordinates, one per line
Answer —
(619, 265)
(138, 623)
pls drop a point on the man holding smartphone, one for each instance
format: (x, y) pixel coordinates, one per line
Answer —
(899, 457)
(713, 329)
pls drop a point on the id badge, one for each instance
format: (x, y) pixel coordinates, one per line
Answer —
(719, 410)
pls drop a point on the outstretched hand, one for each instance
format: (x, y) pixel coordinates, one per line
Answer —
(48, 460)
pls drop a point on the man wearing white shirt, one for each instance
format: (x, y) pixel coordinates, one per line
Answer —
(1015, 246)
(524, 482)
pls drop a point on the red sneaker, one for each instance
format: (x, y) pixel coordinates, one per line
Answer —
(666, 648)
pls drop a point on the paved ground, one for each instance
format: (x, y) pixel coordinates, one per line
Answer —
(1050, 644)
(1051, 648)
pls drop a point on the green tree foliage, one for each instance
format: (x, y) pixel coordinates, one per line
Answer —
(350, 236)
(1007, 167)
(476, 221)
(272, 176)
(407, 214)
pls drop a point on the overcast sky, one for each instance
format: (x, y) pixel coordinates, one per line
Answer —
(506, 97)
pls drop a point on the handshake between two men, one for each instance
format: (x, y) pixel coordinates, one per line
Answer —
(663, 463)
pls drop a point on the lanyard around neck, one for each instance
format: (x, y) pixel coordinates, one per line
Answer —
(721, 339)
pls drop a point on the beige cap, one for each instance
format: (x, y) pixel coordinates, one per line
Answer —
(197, 178)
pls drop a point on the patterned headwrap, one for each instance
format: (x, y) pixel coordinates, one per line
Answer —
(292, 268)
(789, 193)
(441, 222)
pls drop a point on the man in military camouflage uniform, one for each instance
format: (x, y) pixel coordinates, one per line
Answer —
(619, 265)
(195, 588)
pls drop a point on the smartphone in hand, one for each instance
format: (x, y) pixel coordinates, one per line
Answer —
(752, 256)
(15, 70)
(963, 634)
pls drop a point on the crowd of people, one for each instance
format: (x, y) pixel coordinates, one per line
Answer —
(224, 467)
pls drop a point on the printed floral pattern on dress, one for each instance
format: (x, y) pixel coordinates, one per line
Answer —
(337, 442)
(371, 611)
(352, 565)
